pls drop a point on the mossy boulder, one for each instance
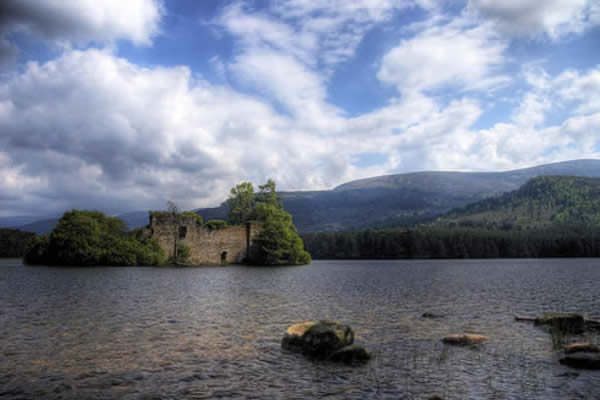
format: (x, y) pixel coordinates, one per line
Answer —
(465, 339)
(567, 323)
(293, 338)
(325, 340)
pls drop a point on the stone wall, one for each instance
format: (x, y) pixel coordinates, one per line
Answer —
(228, 245)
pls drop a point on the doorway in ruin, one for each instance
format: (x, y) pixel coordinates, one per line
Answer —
(224, 257)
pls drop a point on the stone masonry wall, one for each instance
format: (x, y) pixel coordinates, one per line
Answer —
(206, 246)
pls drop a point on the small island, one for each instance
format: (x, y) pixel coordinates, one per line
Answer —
(259, 232)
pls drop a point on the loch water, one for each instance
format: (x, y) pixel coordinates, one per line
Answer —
(215, 332)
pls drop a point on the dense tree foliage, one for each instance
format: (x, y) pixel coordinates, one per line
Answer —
(454, 243)
(13, 242)
(539, 204)
(278, 242)
(550, 216)
(91, 238)
(240, 202)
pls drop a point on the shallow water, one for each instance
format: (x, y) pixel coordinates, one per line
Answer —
(214, 332)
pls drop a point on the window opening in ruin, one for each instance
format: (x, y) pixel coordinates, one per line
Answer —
(182, 232)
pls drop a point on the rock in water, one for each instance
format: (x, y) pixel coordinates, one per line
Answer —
(325, 337)
(568, 323)
(583, 348)
(465, 339)
(582, 360)
(293, 338)
(351, 354)
(325, 340)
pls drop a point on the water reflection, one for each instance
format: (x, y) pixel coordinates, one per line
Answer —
(215, 332)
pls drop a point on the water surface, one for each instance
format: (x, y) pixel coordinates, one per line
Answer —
(214, 332)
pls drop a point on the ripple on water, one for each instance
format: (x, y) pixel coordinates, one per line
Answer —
(144, 333)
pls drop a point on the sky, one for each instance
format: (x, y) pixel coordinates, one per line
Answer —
(122, 105)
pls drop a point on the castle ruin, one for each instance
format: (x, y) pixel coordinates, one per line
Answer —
(231, 244)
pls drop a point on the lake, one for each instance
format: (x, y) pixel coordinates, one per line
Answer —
(215, 332)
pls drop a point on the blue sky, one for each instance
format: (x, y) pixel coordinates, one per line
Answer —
(121, 106)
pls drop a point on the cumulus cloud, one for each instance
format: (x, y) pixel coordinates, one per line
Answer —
(445, 56)
(81, 21)
(95, 130)
(554, 18)
(90, 129)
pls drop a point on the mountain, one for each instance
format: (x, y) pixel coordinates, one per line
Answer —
(41, 227)
(405, 199)
(544, 202)
(133, 219)
(385, 201)
(11, 222)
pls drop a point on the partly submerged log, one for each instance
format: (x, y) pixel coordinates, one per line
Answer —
(465, 339)
(582, 348)
(524, 318)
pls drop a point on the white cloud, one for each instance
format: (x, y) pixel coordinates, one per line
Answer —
(555, 18)
(139, 136)
(583, 88)
(445, 56)
(90, 129)
(316, 33)
(82, 21)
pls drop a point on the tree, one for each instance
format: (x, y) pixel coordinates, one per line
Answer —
(267, 194)
(278, 241)
(172, 207)
(240, 202)
(91, 238)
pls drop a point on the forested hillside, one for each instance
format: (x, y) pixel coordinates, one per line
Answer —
(553, 216)
(541, 203)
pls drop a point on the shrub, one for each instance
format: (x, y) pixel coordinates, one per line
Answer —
(197, 217)
(215, 224)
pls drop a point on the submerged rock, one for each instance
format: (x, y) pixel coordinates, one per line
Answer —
(583, 348)
(325, 340)
(430, 315)
(592, 325)
(351, 354)
(582, 360)
(465, 339)
(568, 323)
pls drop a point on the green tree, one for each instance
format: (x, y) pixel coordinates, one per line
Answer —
(267, 194)
(278, 241)
(91, 238)
(240, 202)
